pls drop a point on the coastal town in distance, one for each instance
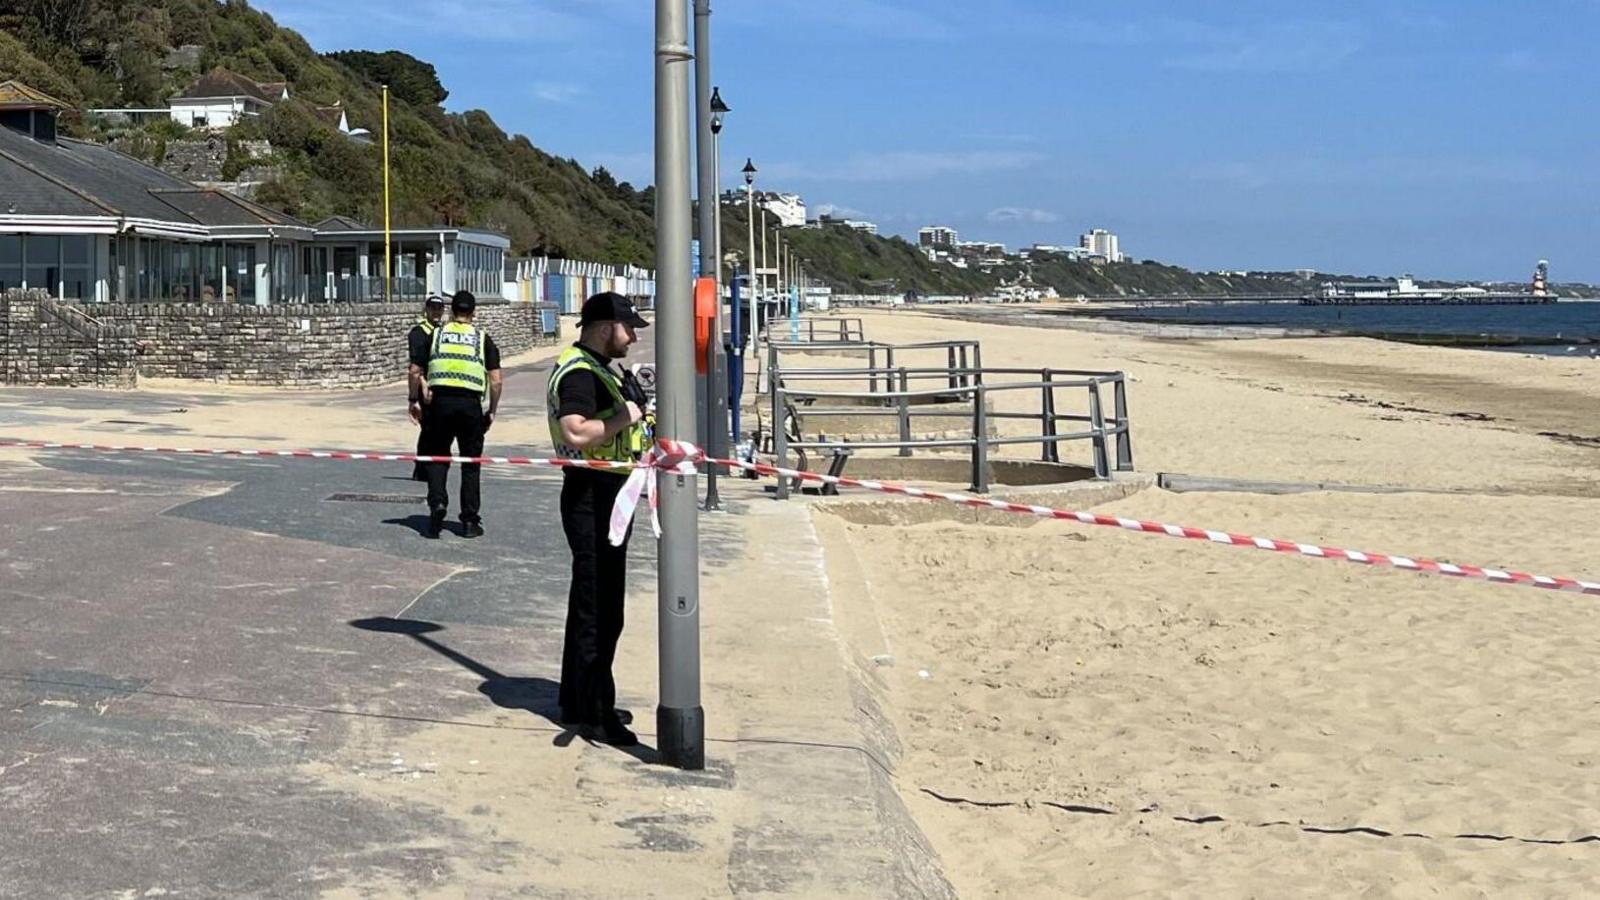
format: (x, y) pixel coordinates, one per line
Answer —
(798, 449)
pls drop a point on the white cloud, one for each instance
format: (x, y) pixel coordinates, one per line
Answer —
(904, 165)
(337, 24)
(1258, 174)
(1271, 47)
(558, 92)
(833, 209)
(1011, 214)
(880, 19)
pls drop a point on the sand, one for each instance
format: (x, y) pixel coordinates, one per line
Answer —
(1112, 714)
(1323, 409)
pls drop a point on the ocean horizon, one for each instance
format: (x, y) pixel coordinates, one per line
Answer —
(1565, 328)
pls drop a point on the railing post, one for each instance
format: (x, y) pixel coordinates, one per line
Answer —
(872, 370)
(905, 415)
(965, 379)
(980, 442)
(1097, 426)
(950, 355)
(780, 439)
(889, 365)
(1047, 414)
(1125, 429)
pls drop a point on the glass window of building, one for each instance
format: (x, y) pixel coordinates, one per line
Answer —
(241, 280)
(211, 273)
(42, 258)
(10, 261)
(77, 267)
(181, 275)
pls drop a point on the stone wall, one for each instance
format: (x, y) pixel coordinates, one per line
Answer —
(325, 345)
(48, 342)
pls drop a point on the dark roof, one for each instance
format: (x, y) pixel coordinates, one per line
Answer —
(342, 223)
(70, 178)
(16, 95)
(213, 207)
(220, 82)
(31, 194)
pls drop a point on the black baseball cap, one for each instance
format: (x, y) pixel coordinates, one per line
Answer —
(611, 307)
(463, 302)
(433, 300)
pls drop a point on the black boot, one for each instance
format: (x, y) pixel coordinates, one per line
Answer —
(435, 524)
(613, 732)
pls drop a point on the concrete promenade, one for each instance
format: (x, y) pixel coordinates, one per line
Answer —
(232, 677)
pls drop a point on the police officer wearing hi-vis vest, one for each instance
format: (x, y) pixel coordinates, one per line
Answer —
(463, 365)
(419, 343)
(592, 417)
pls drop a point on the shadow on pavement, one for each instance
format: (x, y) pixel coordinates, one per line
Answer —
(535, 695)
(417, 523)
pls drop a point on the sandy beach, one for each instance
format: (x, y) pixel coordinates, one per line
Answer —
(1087, 712)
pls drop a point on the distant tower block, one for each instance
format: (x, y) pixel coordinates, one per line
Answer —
(1541, 279)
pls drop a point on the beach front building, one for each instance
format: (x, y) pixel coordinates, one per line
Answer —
(86, 223)
(350, 256)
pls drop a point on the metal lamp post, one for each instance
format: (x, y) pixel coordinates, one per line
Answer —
(709, 110)
(680, 720)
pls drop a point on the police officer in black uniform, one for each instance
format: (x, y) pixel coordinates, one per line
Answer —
(463, 366)
(419, 341)
(594, 415)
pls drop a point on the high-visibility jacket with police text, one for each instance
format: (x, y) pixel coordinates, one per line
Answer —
(627, 446)
(456, 359)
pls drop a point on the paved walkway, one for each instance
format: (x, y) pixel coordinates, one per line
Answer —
(228, 677)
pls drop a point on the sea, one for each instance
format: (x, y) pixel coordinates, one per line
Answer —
(1566, 328)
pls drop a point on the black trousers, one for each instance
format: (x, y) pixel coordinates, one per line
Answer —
(595, 600)
(453, 419)
(419, 470)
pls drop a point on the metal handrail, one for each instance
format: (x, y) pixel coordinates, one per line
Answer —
(850, 330)
(1110, 435)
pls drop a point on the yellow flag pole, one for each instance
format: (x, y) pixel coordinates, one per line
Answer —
(388, 257)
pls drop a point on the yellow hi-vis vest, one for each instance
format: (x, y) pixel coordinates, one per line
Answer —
(627, 446)
(457, 358)
(427, 327)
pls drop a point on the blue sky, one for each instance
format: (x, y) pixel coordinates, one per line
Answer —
(1447, 139)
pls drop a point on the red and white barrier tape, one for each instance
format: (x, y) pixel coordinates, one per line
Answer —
(680, 458)
(326, 454)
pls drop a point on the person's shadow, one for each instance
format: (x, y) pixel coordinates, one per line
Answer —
(419, 524)
(536, 695)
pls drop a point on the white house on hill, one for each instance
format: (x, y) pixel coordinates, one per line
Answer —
(221, 98)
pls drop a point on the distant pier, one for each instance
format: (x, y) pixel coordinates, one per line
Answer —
(1490, 299)
(1395, 299)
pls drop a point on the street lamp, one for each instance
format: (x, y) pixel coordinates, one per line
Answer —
(750, 221)
(718, 110)
(717, 372)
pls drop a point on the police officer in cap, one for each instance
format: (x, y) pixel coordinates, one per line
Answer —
(419, 344)
(463, 365)
(591, 418)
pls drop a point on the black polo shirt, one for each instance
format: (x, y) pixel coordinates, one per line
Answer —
(419, 344)
(580, 393)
